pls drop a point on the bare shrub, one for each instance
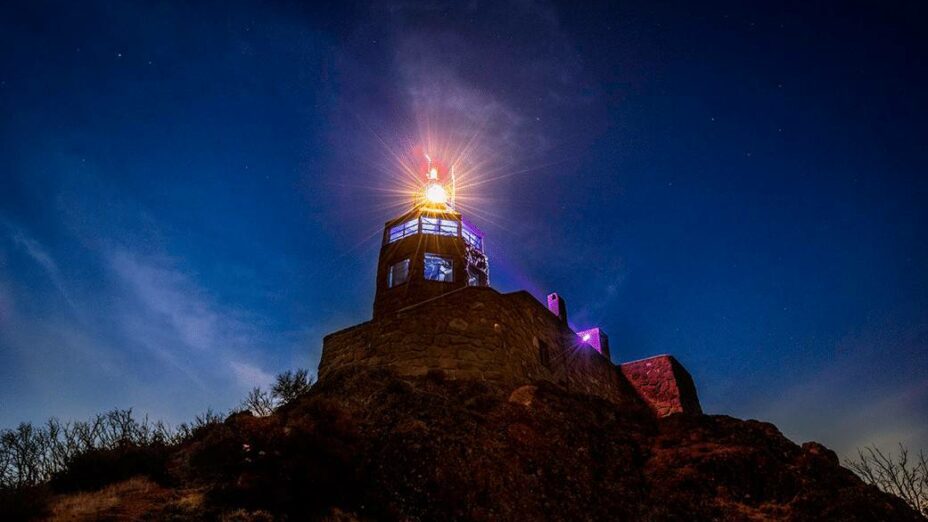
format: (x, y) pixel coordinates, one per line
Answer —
(24, 452)
(898, 474)
(259, 402)
(31, 455)
(290, 385)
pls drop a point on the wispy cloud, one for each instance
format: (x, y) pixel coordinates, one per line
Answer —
(449, 94)
(152, 338)
(39, 255)
(192, 331)
(174, 299)
(35, 250)
(249, 375)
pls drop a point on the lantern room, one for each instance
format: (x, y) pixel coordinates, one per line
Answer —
(429, 251)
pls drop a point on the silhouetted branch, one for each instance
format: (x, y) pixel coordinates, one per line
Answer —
(896, 474)
(30, 455)
(290, 385)
(259, 402)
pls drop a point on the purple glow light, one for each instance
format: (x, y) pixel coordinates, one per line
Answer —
(593, 337)
(557, 306)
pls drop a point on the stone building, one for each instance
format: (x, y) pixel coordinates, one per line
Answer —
(434, 310)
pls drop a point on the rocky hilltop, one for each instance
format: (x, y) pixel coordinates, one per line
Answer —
(374, 446)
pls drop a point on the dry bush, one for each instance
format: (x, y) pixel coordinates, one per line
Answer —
(259, 402)
(290, 385)
(287, 387)
(127, 500)
(299, 462)
(899, 474)
(31, 455)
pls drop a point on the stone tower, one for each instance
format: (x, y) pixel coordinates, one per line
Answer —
(434, 311)
(427, 252)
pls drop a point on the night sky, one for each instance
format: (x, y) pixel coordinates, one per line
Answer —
(191, 194)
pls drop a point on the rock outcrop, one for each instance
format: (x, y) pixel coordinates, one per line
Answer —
(369, 445)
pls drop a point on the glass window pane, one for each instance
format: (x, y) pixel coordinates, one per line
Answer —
(443, 227)
(448, 227)
(403, 229)
(471, 238)
(398, 273)
(430, 225)
(439, 268)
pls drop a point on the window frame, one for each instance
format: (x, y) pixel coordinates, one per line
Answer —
(544, 355)
(425, 265)
(390, 271)
(401, 230)
(440, 226)
(434, 225)
(471, 238)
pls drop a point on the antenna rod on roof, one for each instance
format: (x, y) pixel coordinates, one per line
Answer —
(453, 187)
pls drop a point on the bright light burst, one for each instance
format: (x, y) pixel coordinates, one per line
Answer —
(399, 177)
(436, 194)
(441, 170)
(417, 169)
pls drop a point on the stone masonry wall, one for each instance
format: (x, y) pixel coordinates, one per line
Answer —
(478, 333)
(664, 384)
(345, 348)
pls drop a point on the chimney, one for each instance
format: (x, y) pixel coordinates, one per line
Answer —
(557, 306)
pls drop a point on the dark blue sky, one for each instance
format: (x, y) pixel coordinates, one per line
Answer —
(190, 194)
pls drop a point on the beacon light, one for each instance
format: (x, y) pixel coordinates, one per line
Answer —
(586, 337)
(435, 193)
